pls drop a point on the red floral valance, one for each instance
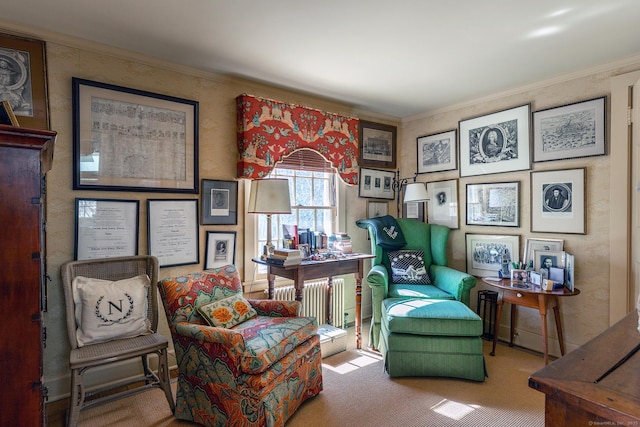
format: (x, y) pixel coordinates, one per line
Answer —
(269, 130)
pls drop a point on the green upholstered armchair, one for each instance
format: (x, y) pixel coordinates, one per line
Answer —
(447, 283)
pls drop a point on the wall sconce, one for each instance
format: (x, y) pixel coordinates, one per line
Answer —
(269, 196)
(415, 191)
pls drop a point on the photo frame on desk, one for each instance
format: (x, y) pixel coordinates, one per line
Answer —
(172, 231)
(127, 139)
(533, 244)
(219, 202)
(220, 249)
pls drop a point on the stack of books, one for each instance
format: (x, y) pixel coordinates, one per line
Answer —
(342, 242)
(285, 257)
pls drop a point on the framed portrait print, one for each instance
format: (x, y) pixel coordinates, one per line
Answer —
(547, 259)
(533, 244)
(495, 143)
(172, 232)
(131, 140)
(558, 201)
(376, 184)
(220, 249)
(377, 145)
(442, 206)
(570, 131)
(485, 253)
(437, 152)
(376, 209)
(496, 203)
(219, 202)
(23, 72)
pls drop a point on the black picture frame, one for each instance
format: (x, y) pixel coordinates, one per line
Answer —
(377, 145)
(493, 204)
(219, 202)
(220, 249)
(127, 139)
(376, 184)
(437, 152)
(173, 231)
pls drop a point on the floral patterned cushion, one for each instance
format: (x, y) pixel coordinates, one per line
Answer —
(227, 312)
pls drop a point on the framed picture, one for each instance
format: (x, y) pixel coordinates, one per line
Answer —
(547, 259)
(437, 152)
(375, 209)
(569, 266)
(106, 228)
(219, 202)
(558, 201)
(173, 231)
(220, 249)
(413, 210)
(131, 140)
(377, 145)
(23, 72)
(7, 117)
(486, 253)
(519, 275)
(495, 143)
(442, 207)
(533, 244)
(305, 250)
(570, 131)
(495, 203)
(376, 184)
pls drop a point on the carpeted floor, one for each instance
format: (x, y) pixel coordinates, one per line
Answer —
(357, 392)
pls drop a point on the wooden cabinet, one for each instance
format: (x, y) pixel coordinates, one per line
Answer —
(25, 156)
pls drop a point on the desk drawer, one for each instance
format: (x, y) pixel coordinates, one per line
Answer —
(520, 298)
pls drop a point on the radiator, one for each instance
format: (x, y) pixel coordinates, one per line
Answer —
(315, 300)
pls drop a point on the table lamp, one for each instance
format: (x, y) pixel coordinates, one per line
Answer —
(269, 196)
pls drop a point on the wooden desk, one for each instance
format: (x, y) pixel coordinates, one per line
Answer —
(308, 270)
(529, 295)
(597, 383)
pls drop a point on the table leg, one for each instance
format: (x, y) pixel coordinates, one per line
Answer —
(511, 324)
(542, 301)
(556, 314)
(329, 306)
(496, 326)
(298, 283)
(271, 278)
(358, 320)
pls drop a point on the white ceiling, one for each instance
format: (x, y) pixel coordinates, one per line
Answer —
(395, 57)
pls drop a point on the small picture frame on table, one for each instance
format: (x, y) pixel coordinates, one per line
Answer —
(519, 275)
(305, 250)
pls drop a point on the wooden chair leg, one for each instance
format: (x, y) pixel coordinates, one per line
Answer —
(77, 397)
(165, 381)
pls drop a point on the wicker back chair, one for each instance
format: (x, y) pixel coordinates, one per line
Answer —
(89, 356)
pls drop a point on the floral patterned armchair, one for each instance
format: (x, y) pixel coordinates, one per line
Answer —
(257, 372)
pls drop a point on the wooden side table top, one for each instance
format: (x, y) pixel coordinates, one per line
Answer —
(529, 288)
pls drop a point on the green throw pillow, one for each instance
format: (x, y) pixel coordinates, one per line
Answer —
(228, 312)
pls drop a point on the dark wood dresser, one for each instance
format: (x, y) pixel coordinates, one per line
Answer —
(596, 384)
(25, 156)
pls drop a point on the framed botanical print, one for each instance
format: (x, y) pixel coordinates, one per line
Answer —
(558, 201)
(377, 145)
(437, 152)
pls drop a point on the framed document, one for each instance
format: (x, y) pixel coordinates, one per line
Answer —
(106, 228)
(173, 231)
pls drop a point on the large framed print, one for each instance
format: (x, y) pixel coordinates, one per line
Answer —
(495, 203)
(486, 253)
(106, 228)
(173, 231)
(558, 201)
(437, 152)
(570, 131)
(131, 140)
(219, 202)
(23, 78)
(376, 184)
(220, 250)
(495, 143)
(533, 244)
(442, 206)
(377, 145)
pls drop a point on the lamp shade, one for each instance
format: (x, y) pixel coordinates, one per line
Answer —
(270, 196)
(415, 192)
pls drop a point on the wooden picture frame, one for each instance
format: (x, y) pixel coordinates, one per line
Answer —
(220, 249)
(495, 203)
(484, 253)
(219, 202)
(7, 117)
(377, 145)
(570, 131)
(437, 152)
(25, 60)
(376, 184)
(496, 142)
(172, 231)
(538, 244)
(131, 140)
(106, 228)
(561, 213)
(442, 206)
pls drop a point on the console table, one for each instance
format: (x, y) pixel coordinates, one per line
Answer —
(529, 295)
(308, 270)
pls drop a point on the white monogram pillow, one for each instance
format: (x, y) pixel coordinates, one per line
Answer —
(108, 310)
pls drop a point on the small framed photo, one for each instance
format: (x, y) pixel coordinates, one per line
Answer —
(376, 184)
(172, 231)
(570, 131)
(534, 244)
(495, 143)
(569, 265)
(305, 250)
(437, 152)
(535, 278)
(377, 145)
(558, 201)
(496, 203)
(220, 250)
(485, 253)
(442, 206)
(519, 275)
(219, 202)
(376, 209)
(545, 260)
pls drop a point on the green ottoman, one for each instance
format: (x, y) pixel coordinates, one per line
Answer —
(436, 338)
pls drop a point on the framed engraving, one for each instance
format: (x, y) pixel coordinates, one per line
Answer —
(442, 206)
(485, 253)
(558, 201)
(437, 152)
(376, 184)
(220, 250)
(377, 145)
(496, 203)
(219, 202)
